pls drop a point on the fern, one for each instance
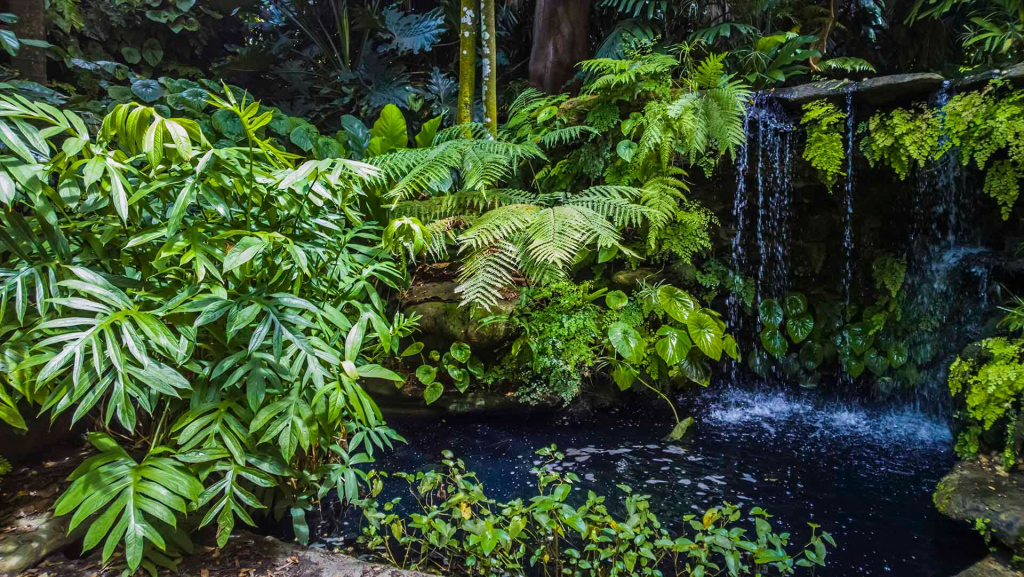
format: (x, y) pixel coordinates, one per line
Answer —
(824, 149)
(845, 64)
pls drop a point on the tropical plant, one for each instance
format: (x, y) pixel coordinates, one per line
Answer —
(458, 363)
(824, 148)
(215, 308)
(457, 529)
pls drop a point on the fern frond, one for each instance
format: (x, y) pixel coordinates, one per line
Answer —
(486, 271)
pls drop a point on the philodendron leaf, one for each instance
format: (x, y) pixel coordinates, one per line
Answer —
(774, 342)
(812, 355)
(706, 334)
(876, 362)
(475, 367)
(391, 129)
(626, 149)
(148, 90)
(680, 429)
(859, 337)
(616, 300)
(760, 363)
(695, 367)
(853, 366)
(433, 392)
(898, 355)
(673, 346)
(795, 304)
(770, 313)
(800, 326)
(731, 347)
(623, 375)
(460, 352)
(460, 378)
(627, 341)
(677, 303)
(426, 374)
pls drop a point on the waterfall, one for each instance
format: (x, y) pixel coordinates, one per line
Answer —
(774, 196)
(848, 203)
(739, 208)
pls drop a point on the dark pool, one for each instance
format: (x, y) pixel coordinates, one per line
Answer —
(864, 474)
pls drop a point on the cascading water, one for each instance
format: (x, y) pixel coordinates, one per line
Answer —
(774, 192)
(739, 207)
(848, 203)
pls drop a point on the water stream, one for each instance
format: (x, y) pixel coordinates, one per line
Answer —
(864, 473)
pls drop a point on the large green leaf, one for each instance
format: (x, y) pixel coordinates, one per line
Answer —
(706, 333)
(853, 366)
(799, 326)
(695, 367)
(858, 337)
(460, 351)
(774, 342)
(898, 355)
(770, 313)
(433, 392)
(876, 362)
(425, 137)
(616, 300)
(673, 346)
(391, 129)
(627, 341)
(426, 374)
(811, 355)
(677, 303)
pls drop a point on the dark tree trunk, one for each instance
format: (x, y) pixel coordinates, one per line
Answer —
(30, 61)
(561, 30)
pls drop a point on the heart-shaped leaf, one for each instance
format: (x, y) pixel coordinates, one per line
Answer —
(898, 355)
(731, 347)
(626, 149)
(147, 89)
(673, 345)
(770, 313)
(460, 352)
(876, 362)
(426, 374)
(627, 341)
(433, 392)
(811, 355)
(774, 342)
(799, 326)
(795, 304)
(616, 300)
(677, 303)
(623, 375)
(706, 333)
(695, 367)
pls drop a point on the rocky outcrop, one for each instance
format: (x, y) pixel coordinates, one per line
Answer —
(630, 279)
(991, 566)
(443, 320)
(981, 490)
(874, 91)
(27, 540)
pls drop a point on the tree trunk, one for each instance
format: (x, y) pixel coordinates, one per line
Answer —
(30, 61)
(489, 42)
(561, 39)
(467, 61)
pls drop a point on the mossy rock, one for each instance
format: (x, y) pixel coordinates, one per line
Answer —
(980, 490)
(629, 280)
(444, 320)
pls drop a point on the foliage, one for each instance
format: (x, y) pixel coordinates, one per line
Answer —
(5, 467)
(992, 385)
(456, 529)
(219, 305)
(458, 363)
(824, 149)
(10, 41)
(902, 138)
(889, 272)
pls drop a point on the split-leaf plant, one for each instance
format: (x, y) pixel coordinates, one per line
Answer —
(209, 312)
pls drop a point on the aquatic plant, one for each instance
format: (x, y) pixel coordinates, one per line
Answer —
(456, 529)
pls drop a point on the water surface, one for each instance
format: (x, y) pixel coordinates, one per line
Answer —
(864, 474)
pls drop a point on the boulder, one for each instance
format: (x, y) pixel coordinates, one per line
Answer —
(991, 566)
(29, 539)
(444, 320)
(982, 490)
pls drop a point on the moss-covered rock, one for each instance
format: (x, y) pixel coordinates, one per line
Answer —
(981, 490)
(444, 320)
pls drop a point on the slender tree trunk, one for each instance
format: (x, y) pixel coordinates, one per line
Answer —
(467, 61)
(561, 40)
(489, 41)
(30, 61)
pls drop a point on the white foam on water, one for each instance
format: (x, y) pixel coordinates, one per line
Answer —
(774, 410)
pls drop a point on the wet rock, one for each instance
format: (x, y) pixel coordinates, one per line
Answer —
(980, 490)
(991, 566)
(313, 562)
(629, 280)
(875, 91)
(444, 320)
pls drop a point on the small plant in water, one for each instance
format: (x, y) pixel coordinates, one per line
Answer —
(455, 528)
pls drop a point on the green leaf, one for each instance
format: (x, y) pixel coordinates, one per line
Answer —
(433, 392)
(876, 362)
(731, 347)
(774, 342)
(460, 351)
(695, 367)
(616, 300)
(428, 131)
(673, 346)
(627, 341)
(770, 313)
(9, 42)
(391, 129)
(626, 149)
(152, 51)
(148, 90)
(858, 337)
(853, 366)
(706, 334)
(426, 374)
(304, 136)
(795, 304)
(131, 55)
(547, 113)
(677, 303)
(812, 355)
(800, 326)
(413, 349)
(623, 375)
(898, 355)
(228, 124)
(247, 249)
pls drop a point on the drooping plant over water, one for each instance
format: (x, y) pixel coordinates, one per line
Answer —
(824, 149)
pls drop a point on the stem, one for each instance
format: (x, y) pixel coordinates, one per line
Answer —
(467, 61)
(662, 395)
(489, 86)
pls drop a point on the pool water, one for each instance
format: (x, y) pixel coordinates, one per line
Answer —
(864, 474)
